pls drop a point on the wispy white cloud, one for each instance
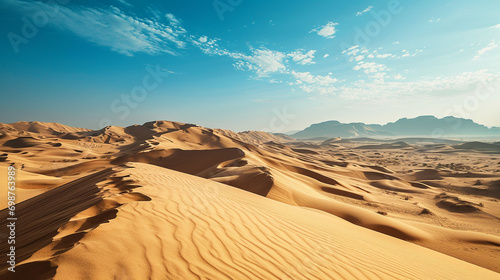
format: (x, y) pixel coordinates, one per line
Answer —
(125, 3)
(370, 67)
(369, 63)
(383, 82)
(496, 26)
(327, 31)
(381, 85)
(266, 63)
(432, 87)
(302, 57)
(314, 83)
(111, 27)
(326, 55)
(492, 45)
(359, 57)
(306, 77)
(385, 55)
(398, 77)
(263, 62)
(364, 11)
(354, 53)
(435, 20)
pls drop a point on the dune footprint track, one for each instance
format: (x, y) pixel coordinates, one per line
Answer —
(54, 222)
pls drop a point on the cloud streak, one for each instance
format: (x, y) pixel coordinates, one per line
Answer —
(364, 11)
(491, 46)
(434, 20)
(111, 27)
(262, 61)
(431, 87)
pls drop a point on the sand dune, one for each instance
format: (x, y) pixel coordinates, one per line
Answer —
(193, 202)
(479, 146)
(193, 228)
(395, 145)
(23, 142)
(254, 137)
(28, 185)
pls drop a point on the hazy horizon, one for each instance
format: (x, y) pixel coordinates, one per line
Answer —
(284, 132)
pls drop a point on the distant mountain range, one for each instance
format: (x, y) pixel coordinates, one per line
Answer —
(419, 126)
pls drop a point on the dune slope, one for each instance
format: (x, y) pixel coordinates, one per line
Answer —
(193, 228)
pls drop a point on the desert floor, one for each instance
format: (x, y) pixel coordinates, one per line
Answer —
(167, 200)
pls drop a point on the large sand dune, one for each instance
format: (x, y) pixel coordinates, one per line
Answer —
(168, 200)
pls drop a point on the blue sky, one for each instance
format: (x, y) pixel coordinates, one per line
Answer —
(248, 65)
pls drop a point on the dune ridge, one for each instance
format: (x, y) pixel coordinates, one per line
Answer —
(192, 228)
